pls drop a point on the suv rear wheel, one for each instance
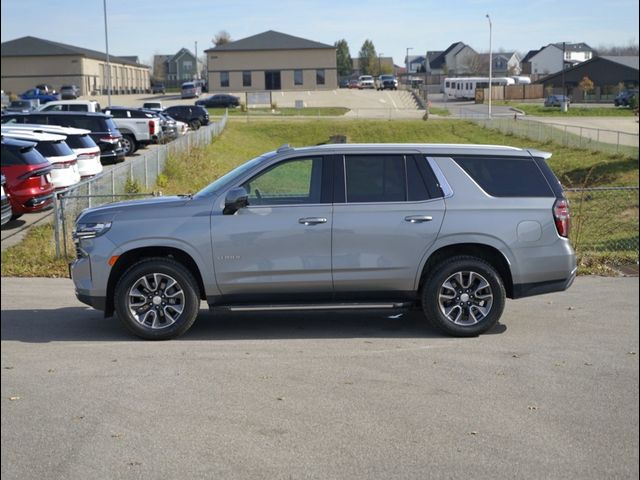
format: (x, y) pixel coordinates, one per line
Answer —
(194, 124)
(129, 144)
(464, 296)
(157, 299)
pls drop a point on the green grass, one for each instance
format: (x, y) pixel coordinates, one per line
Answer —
(441, 112)
(282, 112)
(241, 141)
(573, 111)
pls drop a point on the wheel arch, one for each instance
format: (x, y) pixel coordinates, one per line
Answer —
(128, 258)
(489, 253)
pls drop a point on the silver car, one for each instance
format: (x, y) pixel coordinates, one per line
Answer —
(454, 229)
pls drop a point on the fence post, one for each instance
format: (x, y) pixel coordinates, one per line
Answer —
(89, 193)
(113, 187)
(158, 161)
(618, 142)
(146, 182)
(64, 228)
(580, 137)
(56, 224)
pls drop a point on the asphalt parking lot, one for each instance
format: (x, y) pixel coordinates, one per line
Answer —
(551, 392)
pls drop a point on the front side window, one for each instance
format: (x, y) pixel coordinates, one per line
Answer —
(297, 77)
(289, 182)
(224, 79)
(246, 79)
(320, 76)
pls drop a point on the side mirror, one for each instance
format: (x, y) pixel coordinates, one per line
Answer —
(236, 199)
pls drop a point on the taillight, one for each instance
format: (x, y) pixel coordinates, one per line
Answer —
(110, 139)
(562, 216)
(152, 127)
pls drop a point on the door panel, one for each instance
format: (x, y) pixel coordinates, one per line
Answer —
(379, 246)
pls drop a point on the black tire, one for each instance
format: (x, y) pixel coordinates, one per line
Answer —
(15, 216)
(472, 291)
(129, 144)
(194, 124)
(155, 311)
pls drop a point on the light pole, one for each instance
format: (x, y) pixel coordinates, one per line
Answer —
(380, 64)
(407, 62)
(490, 64)
(106, 41)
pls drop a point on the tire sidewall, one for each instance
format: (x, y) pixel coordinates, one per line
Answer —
(185, 280)
(431, 290)
(129, 144)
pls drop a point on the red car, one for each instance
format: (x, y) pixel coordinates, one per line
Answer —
(28, 176)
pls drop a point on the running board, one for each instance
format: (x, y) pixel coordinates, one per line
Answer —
(321, 306)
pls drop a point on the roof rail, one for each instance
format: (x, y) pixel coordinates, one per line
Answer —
(284, 148)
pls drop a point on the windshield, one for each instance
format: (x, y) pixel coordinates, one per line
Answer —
(230, 177)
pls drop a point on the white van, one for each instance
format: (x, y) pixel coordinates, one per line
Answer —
(71, 106)
(190, 90)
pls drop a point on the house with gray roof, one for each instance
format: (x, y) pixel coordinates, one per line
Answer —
(271, 61)
(554, 57)
(28, 61)
(174, 70)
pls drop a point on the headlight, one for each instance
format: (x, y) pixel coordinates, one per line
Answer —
(90, 230)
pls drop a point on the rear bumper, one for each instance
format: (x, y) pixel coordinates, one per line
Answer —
(530, 289)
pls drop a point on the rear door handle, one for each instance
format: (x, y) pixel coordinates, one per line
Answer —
(312, 220)
(418, 218)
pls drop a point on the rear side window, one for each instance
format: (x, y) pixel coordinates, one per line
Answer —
(54, 149)
(78, 108)
(506, 176)
(23, 156)
(379, 178)
(80, 141)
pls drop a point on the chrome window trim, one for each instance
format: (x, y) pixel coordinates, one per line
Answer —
(442, 180)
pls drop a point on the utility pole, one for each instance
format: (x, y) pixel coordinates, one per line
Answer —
(407, 62)
(490, 64)
(427, 67)
(197, 68)
(106, 41)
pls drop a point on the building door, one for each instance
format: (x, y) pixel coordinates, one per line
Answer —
(272, 80)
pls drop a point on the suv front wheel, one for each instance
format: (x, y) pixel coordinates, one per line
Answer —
(157, 299)
(464, 296)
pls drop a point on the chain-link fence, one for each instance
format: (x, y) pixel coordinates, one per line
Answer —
(594, 139)
(124, 181)
(604, 219)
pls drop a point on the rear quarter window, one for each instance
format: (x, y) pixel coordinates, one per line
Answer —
(21, 156)
(506, 176)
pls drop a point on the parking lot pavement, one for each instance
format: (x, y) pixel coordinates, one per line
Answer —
(552, 392)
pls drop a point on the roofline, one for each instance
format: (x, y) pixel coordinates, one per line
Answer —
(586, 62)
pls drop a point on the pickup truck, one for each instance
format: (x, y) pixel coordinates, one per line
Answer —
(38, 94)
(138, 128)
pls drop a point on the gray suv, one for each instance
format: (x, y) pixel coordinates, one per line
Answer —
(453, 229)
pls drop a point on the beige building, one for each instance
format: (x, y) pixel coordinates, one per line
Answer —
(271, 61)
(29, 61)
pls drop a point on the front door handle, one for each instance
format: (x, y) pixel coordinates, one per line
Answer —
(312, 220)
(418, 218)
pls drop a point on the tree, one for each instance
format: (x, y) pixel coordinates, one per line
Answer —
(368, 60)
(586, 85)
(221, 38)
(343, 58)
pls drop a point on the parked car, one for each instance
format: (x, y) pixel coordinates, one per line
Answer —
(181, 127)
(4, 99)
(69, 92)
(22, 106)
(4, 202)
(103, 131)
(158, 88)
(40, 95)
(138, 128)
(64, 162)
(71, 106)
(78, 139)
(452, 229)
(219, 100)
(28, 177)
(365, 81)
(624, 98)
(155, 106)
(556, 100)
(344, 83)
(190, 90)
(46, 88)
(354, 83)
(386, 82)
(193, 115)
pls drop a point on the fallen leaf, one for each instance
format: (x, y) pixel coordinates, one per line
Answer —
(8, 368)
(134, 463)
(473, 432)
(280, 398)
(532, 407)
(631, 353)
(588, 364)
(116, 435)
(570, 308)
(515, 355)
(14, 398)
(51, 370)
(347, 383)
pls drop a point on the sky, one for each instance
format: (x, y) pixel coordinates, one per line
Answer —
(149, 27)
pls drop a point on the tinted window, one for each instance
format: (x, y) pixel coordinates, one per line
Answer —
(320, 76)
(78, 108)
(54, 149)
(118, 113)
(224, 79)
(80, 141)
(378, 178)
(297, 77)
(294, 181)
(25, 156)
(416, 187)
(506, 177)
(246, 79)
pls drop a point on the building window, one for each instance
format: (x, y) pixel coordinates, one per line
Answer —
(320, 76)
(297, 77)
(224, 79)
(246, 79)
